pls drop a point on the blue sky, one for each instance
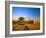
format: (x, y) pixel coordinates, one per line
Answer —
(25, 11)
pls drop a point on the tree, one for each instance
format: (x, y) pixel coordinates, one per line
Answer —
(21, 19)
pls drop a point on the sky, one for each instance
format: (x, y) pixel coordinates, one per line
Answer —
(26, 12)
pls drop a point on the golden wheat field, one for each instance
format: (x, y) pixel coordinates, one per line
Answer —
(17, 26)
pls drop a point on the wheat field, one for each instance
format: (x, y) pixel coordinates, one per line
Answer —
(32, 25)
